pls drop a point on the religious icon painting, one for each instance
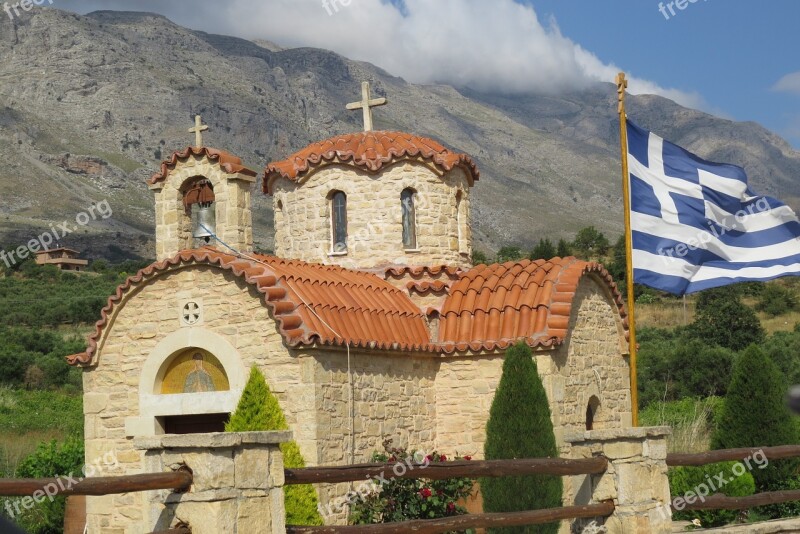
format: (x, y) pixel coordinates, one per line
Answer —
(194, 371)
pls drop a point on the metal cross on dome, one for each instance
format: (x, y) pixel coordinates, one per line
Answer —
(198, 130)
(367, 104)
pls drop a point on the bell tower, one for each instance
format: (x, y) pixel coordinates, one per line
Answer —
(202, 199)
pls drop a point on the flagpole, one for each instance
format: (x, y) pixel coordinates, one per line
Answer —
(622, 84)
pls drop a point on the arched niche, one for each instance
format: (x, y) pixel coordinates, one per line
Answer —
(219, 359)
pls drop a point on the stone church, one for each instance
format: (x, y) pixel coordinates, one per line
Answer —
(369, 322)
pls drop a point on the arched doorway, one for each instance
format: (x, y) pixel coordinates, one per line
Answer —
(591, 412)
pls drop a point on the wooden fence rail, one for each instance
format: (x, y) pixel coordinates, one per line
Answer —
(461, 522)
(782, 452)
(444, 470)
(178, 481)
(722, 502)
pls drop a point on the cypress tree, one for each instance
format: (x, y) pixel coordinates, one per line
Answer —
(755, 414)
(519, 426)
(258, 410)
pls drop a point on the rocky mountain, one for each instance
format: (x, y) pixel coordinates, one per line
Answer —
(89, 105)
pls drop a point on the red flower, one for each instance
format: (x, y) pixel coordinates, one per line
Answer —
(425, 493)
(468, 458)
(429, 458)
(451, 507)
(392, 459)
(443, 458)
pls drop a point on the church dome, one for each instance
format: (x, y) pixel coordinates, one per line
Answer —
(371, 151)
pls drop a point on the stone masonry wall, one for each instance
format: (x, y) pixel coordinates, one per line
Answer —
(393, 398)
(233, 310)
(374, 216)
(236, 488)
(465, 386)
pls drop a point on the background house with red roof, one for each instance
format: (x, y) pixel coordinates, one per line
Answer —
(369, 322)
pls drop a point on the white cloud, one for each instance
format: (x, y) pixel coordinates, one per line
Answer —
(788, 84)
(499, 45)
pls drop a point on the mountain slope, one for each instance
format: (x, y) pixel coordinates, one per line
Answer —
(90, 104)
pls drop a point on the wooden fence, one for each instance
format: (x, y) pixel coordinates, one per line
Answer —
(181, 480)
(722, 502)
(439, 471)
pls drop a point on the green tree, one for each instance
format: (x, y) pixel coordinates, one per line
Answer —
(519, 426)
(479, 257)
(723, 319)
(258, 410)
(509, 253)
(50, 460)
(776, 300)
(755, 414)
(563, 249)
(591, 242)
(544, 250)
(619, 262)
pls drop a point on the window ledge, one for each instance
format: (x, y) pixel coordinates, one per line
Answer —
(412, 250)
(337, 253)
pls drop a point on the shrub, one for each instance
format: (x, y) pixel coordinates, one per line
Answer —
(50, 460)
(692, 421)
(519, 426)
(776, 300)
(683, 480)
(591, 242)
(407, 499)
(563, 249)
(508, 253)
(258, 410)
(544, 250)
(754, 414)
(723, 319)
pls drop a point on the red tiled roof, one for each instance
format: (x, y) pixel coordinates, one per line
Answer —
(351, 307)
(369, 150)
(488, 307)
(492, 307)
(229, 163)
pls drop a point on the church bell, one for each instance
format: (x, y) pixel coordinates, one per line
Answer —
(205, 222)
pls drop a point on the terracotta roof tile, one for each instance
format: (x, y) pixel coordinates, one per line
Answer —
(370, 151)
(497, 305)
(351, 307)
(229, 163)
(488, 307)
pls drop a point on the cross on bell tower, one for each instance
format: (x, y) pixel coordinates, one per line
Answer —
(367, 104)
(198, 130)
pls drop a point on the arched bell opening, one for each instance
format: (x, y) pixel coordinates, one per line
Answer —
(199, 203)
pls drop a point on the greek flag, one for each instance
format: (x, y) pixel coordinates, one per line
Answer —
(697, 225)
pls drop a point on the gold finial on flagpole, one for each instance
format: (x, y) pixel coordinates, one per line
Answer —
(622, 85)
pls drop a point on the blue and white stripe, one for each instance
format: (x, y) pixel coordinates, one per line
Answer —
(697, 225)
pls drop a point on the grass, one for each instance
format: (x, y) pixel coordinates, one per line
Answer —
(665, 313)
(28, 418)
(23, 411)
(692, 422)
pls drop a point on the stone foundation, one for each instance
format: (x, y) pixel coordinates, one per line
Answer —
(237, 488)
(636, 478)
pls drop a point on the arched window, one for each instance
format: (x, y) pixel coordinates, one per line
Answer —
(461, 222)
(591, 412)
(339, 221)
(409, 219)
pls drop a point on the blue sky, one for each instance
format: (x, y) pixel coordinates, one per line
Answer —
(723, 57)
(732, 53)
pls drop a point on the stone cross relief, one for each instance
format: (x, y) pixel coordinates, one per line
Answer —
(198, 130)
(191, 313)
(367, 104)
